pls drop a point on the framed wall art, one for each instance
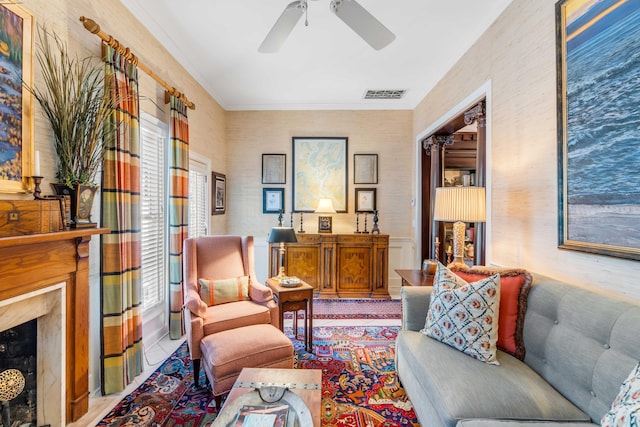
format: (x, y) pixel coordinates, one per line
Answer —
(272, 200)
(219, 196)
(365, 168)
(16, 122)
(598, 127)
(274, 168)
(365, 199)
(319, 172)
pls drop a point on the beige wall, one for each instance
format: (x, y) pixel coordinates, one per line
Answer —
(207, 130)
(517, 56)
(62, 16)
(387, 133)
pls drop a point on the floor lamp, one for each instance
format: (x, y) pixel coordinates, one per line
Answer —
(459, 205)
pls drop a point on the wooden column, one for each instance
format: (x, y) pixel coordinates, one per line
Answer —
(478, 113)
(35, 261)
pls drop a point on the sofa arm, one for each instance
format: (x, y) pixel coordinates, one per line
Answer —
(259, 292)
(415, 304)
(194, 303)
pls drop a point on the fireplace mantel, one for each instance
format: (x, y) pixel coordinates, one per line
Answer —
(35, 261)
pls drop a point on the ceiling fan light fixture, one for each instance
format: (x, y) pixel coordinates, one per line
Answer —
(363, 23)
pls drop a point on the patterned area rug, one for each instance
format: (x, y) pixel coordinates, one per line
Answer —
(345, 308)
(359, 385)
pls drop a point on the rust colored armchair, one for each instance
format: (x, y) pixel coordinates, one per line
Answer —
(219, 258)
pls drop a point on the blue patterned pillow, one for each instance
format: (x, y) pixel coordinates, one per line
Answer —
(625, 410)
(465, 315)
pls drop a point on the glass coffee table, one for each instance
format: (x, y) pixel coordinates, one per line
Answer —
(303, 394)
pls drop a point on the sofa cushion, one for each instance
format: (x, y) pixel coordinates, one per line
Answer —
(235, 315)
(625, 410)
(511, 423)
(460, 387)
(465, 315)
(222, 291)
(514, 289)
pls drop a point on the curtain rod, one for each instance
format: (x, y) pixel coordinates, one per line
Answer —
(91, 26)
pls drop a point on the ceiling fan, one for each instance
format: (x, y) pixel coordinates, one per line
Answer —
(351, 12)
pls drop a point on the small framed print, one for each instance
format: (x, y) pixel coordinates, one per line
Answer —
(365, 199)
(272, 200)
(219, 190)
(324, 224)
(365, 168)
(274, 168)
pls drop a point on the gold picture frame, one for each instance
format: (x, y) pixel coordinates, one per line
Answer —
(16, 126)
(598, 145)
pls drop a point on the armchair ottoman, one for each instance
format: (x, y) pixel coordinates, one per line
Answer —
(225, 353)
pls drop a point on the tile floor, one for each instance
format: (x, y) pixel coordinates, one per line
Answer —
(99, 406)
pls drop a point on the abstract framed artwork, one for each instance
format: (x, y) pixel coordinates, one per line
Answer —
(598, 126)
(219, 196)
(274, 168)
(16, 122)
(272, 200)
(365, 168)
(319, 172)
(365, 199)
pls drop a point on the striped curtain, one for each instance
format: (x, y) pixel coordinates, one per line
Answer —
(178, 210)
(121, 290)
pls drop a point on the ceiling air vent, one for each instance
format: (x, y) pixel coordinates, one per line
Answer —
(384, 94)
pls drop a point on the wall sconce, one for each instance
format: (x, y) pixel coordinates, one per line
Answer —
(459, 205)
(325, 206)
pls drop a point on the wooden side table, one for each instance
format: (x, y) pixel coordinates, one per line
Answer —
(295, 299)
(414, 278)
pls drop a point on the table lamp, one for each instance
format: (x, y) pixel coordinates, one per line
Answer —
(459, 205)
(282, 235)
(325, 206)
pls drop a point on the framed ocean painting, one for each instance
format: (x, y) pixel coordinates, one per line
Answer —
(598, 65)
(16, 116)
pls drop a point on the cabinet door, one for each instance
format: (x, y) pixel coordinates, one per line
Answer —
(304, 263)
(354, 270)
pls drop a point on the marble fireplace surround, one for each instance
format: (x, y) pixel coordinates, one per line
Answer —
(34, 263)
(47, 305)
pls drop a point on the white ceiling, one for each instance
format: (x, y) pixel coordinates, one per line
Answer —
(322, 66)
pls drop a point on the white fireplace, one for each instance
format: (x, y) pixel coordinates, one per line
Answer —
(48, 306)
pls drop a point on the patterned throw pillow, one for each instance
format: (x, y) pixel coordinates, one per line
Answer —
(515, 284)
(465, 315)
(625, 409)
(215, 292)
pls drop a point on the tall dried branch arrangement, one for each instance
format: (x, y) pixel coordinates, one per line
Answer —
(77, 100)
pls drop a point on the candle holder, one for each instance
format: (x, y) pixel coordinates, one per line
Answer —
(357, 223)
(37, 191)
(301, 229)
(365, 231)
(375, 229)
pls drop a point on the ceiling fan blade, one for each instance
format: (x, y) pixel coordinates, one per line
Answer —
(363, 23)
(283, 27)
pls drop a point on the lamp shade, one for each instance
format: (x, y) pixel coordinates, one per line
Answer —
(282, 235)
(466, 204)
(325, 206)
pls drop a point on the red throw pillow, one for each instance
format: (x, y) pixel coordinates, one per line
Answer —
(514, 288)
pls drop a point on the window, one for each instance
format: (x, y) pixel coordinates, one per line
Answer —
(153, 201)
(198, 195)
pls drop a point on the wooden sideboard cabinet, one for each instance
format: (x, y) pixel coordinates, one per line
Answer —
(337, 265)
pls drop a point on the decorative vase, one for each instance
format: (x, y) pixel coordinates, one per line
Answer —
(81, 202)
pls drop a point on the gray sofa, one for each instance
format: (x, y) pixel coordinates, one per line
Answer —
(580, 347)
